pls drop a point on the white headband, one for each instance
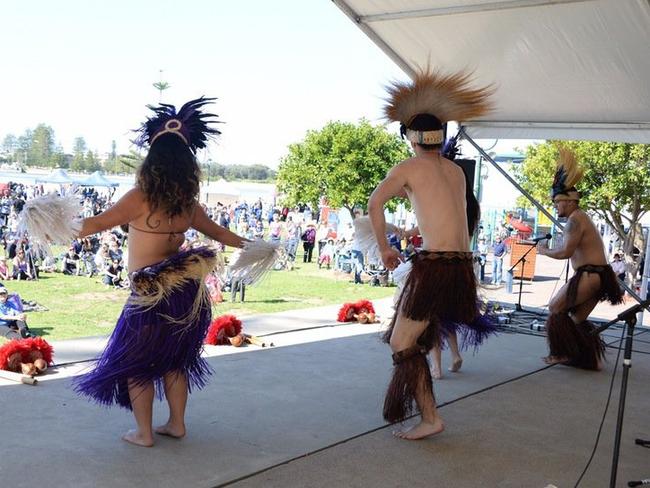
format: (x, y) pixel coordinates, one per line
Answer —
(429, 137)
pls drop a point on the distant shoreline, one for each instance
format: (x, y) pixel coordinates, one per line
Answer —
(249, 191)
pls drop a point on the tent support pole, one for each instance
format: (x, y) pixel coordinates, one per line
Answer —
(486, 156)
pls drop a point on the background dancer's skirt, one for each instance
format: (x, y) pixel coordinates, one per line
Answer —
(578, 343)
(441, 289)
(151, 340)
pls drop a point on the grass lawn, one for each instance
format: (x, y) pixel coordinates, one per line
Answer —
(82, 307)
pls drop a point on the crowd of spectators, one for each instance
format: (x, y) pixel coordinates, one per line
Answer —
(304, 233)
(96, 255)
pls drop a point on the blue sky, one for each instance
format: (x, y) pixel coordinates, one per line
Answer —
(278, 68)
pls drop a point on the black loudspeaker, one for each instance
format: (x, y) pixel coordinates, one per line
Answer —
(469, 167)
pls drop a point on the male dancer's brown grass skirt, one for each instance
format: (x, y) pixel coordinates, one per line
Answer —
(577, 342)
(441, 290)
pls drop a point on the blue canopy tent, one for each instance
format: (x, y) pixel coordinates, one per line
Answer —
(97, 179)
(59, 176)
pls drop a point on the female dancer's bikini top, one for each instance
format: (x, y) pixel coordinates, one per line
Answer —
(171, 233)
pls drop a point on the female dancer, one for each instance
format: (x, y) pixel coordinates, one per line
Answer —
(157, 342)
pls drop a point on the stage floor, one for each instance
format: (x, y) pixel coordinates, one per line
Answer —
(308, 413)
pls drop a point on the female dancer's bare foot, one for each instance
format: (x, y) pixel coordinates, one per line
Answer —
(555, 360)
(456, 365)
(136, 438)
(421, 430)
(171, 430)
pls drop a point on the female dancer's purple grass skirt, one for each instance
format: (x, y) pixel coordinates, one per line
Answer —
(161, 330)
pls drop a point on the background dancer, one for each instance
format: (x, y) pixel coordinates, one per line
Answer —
(158, 337)
(441, 286)
(569, 333)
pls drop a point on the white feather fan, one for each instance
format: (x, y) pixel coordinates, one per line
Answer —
(51, 219)
(254, 260)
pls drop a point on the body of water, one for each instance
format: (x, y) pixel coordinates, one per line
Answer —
(249, 192)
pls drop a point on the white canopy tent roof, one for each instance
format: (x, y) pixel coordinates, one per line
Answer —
(564, 69)
(219, 191)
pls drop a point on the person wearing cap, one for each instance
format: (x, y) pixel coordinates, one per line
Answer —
(13, 323)
(571, 338)
(308, 241)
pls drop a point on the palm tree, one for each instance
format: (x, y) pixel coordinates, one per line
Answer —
(161, 85)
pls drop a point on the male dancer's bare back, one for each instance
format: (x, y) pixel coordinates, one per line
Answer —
(583, 245)
(435, 187)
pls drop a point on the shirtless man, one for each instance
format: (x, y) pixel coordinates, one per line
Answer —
(570, 336)
(441, 286)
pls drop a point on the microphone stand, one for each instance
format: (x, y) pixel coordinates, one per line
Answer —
(629, 317)
(521, 260)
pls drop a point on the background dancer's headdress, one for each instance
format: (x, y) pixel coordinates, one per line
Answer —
(189, 124)
(567, 175)
(424, 104)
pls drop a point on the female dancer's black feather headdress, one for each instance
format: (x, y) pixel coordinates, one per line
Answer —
(189, 123)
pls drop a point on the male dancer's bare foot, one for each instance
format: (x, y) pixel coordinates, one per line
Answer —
(555, 360)
(136, 438)
(171, 430)
(421, 430)
(456, 365)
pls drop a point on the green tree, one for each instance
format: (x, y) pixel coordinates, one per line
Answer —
(10, 145)
(92, 162)
(41, 147)
(111, 164)
(24, 143)
(343, 162)
(129, 163)
(161, 86)
(616, 184)
(79, 154)
(58, 158)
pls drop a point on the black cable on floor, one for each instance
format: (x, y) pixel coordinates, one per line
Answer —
(602, 420)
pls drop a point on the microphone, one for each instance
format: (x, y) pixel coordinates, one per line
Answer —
(538, 239)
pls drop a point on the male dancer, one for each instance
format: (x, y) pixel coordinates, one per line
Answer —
(570, 336)
(441, 287)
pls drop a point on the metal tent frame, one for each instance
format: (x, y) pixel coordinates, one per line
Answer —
(567, 69)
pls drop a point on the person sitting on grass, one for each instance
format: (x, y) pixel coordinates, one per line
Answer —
(4, 270)
(21, 267)
(112, 273)
(13, 322)
(70, 262)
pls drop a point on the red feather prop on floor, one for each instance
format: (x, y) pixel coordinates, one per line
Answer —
(222, 329)
(346, 313)
(25, 351)
(349, 311)
(364, 306)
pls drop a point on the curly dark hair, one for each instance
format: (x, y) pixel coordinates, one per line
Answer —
(169, 176)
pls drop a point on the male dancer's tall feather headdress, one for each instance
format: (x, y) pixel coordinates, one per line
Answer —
(567, 175)
(190, 124)
(441, 97)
